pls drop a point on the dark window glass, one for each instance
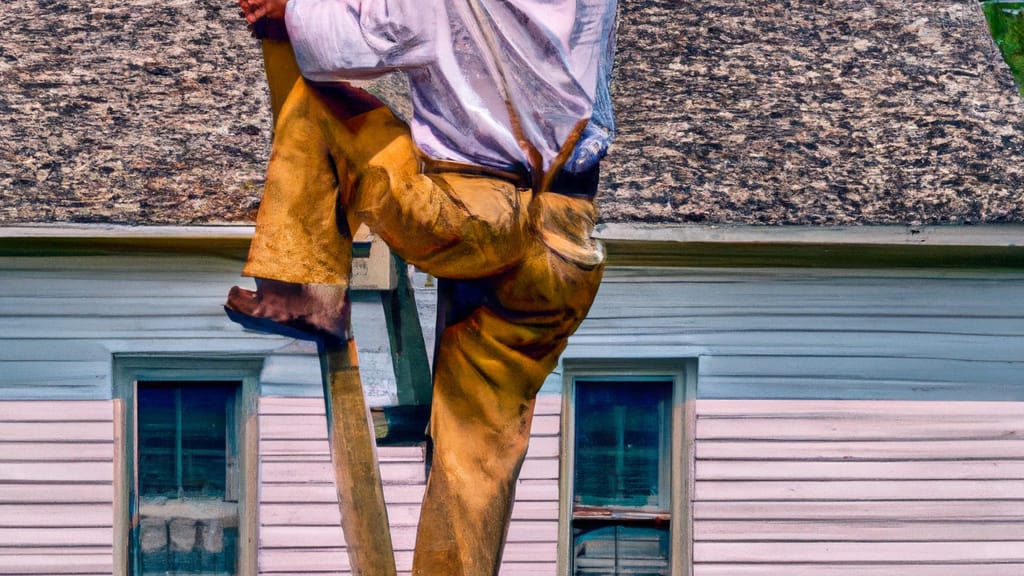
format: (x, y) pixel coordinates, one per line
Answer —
(622, 434)
(186, 469)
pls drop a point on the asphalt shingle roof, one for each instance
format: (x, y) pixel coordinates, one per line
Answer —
(778, 112)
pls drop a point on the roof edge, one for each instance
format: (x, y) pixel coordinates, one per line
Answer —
(229, 241)
(1009, 235)
(997, 247)
(1005, 235)
(993, 246)
(87, 231)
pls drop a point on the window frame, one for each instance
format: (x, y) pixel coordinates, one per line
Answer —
(682, 373)
(128, 371)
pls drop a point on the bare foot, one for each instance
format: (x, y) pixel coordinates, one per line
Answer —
(319, 312)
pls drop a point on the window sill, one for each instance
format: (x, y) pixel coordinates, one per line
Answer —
(619, 514)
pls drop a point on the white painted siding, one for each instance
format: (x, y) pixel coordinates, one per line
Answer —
(911, 335)
(300, 529)
(807, 487)
(63, 319)
(56, 487)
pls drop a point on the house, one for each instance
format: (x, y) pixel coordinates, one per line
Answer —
(805, 358)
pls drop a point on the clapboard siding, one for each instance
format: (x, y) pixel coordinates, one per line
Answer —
(71, 562)
(300, 524)
(848, 421)
(863, 510)
(791, 487)
(880, 407)
(882, 451)
(894, 335)
(62, 320)
(862, 569)
(56, 487)
(531, 549)
(299, 519)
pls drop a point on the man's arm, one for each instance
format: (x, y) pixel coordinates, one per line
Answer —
(253, 10)
(345, 39)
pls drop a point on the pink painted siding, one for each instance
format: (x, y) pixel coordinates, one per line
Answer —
(56, 487)
(532, 544)
(858, 487)
(299, 519)
(830, 488)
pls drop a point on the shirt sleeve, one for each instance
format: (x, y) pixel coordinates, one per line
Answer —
(592, 56)
(348, 39)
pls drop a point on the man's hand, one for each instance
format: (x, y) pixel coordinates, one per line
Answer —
(253, 10)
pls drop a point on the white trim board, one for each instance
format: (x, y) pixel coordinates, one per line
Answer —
(941, 235)
(84, 231)
(1009, 235)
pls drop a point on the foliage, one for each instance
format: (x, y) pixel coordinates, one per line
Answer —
(1006, 21)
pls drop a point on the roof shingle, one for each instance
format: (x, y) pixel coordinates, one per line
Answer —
(779, 112)
(814, 112)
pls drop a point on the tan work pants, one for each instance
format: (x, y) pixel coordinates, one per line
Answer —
(532, 254)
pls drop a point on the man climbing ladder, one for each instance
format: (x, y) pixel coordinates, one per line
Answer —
(491, 188)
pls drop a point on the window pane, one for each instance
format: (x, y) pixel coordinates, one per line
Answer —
(204, 439)
(614, 550)
(201, 429)
(622, 437)
(186, 526)
(156, 438)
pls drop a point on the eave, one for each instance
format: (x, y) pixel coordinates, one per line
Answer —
(996, 246)
(984, 246)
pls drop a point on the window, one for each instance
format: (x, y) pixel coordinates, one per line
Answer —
(621, 477)
(623, 508)
(187, 475)
(186, 492)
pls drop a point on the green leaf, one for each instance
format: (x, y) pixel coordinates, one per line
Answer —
(1006, 22)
